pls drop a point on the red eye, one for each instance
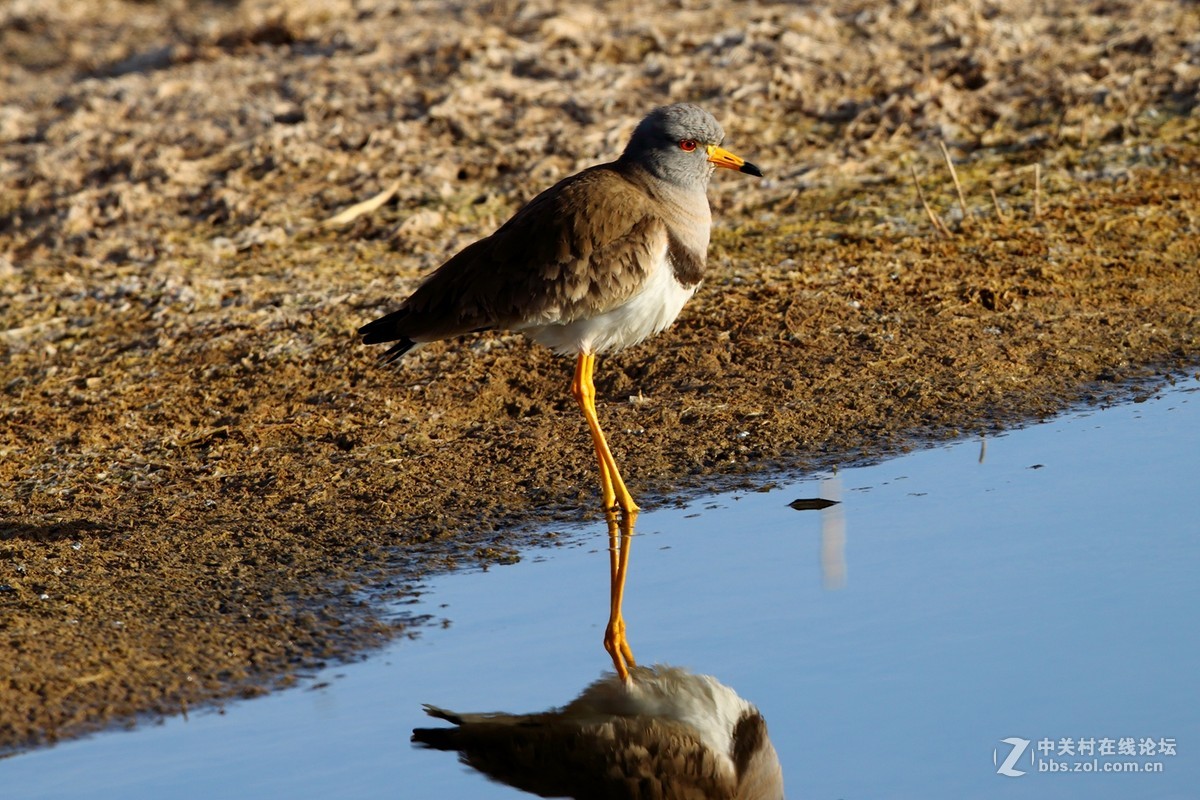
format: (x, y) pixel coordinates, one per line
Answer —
(687, 145)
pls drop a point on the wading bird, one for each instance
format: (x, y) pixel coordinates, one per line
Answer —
(596, 263)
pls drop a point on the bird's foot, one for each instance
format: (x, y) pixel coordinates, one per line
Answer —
(618, 649)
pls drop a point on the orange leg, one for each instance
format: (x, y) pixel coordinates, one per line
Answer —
(614, 634)
(613, 491)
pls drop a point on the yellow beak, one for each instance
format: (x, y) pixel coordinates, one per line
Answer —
(723, 158)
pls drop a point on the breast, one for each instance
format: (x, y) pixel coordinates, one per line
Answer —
(650, 310)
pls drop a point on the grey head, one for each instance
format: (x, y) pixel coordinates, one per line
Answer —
(681, 144)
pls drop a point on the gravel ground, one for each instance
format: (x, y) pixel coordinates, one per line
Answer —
(202, 468)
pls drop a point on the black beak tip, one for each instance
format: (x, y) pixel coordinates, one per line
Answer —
(750, 169)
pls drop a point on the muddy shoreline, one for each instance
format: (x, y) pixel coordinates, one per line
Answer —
(204, 473)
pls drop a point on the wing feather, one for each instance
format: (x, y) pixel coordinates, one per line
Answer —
(632, 758)
(578, 249)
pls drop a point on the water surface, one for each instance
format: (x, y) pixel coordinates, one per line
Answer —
(1040, 586)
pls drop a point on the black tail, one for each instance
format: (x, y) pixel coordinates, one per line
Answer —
(440, 738)
(387, 329)
(437, 738)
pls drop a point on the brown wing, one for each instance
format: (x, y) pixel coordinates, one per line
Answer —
(629, 758)
(576, 250)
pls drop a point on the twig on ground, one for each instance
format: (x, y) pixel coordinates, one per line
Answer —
(365, 207)
(933, 218)
(962, 200)
(1037, 190)
(996, 204)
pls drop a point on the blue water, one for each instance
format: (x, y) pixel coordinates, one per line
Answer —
(1044, 591)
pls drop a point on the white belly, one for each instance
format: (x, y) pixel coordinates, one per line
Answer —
(648, 312)
(701, 702)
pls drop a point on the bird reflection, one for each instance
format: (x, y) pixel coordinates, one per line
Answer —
(652, 733)
(666, 734)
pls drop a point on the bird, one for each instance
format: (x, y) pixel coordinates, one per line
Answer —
(596, 263)
(669, 735)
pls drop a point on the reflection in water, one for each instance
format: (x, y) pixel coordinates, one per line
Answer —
(620, 537)
(667, 733)
(644, 732)
(833, 530)
(833, 536)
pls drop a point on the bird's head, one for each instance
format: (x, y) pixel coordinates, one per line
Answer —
(681, 143)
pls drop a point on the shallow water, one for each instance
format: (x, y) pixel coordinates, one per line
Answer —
(1039, 586)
